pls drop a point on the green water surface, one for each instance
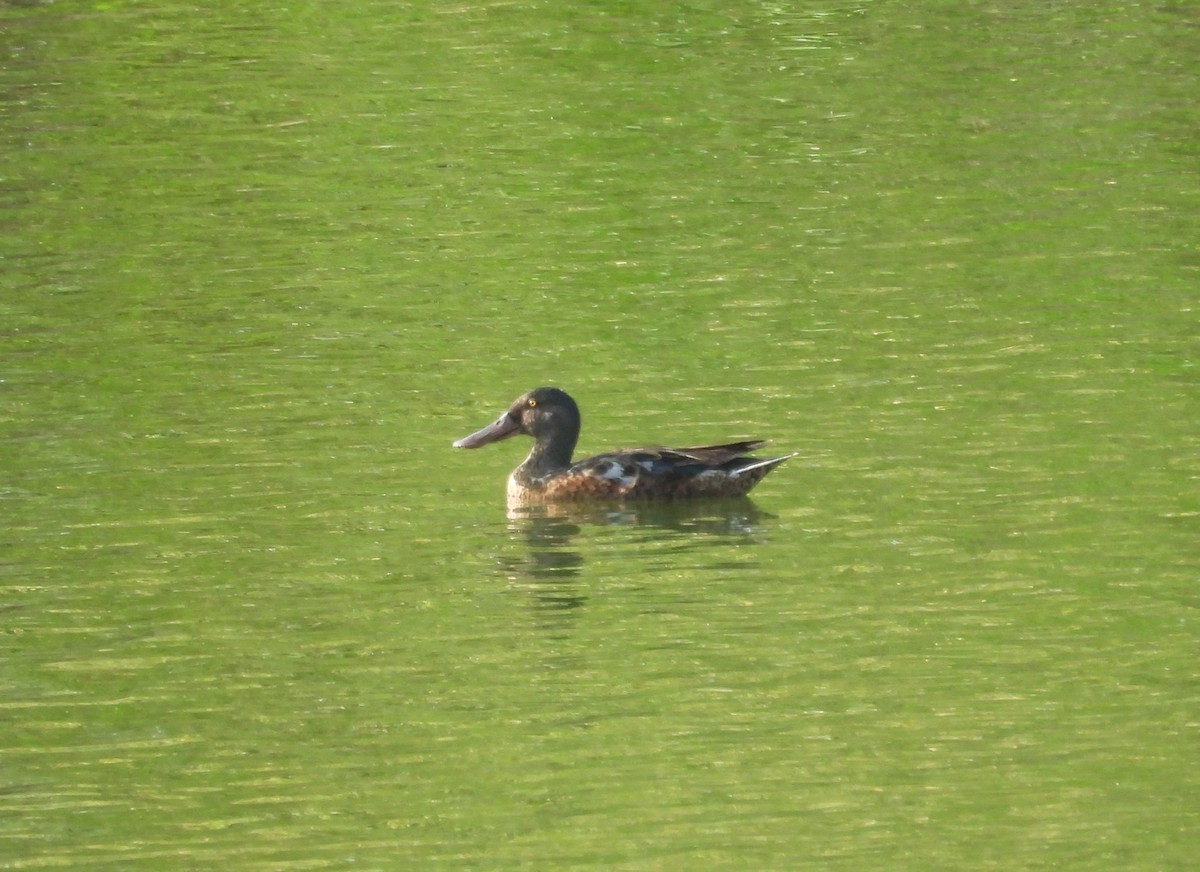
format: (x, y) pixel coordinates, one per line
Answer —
(262, 263)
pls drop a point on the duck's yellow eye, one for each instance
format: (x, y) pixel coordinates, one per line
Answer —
(532, 403)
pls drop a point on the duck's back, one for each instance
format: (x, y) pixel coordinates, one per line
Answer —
(709, 471)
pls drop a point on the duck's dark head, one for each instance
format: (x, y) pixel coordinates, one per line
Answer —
(549, 415)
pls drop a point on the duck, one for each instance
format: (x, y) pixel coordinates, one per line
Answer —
(549, 475)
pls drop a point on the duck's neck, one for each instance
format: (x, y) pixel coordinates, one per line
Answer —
(548, 457)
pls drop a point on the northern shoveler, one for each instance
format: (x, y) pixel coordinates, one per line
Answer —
(551, 417)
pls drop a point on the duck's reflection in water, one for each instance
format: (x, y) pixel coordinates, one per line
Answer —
(551, 565)
(547, 568)
(736, 517)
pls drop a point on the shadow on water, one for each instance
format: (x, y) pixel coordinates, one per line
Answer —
(726, 517)
(554, 558)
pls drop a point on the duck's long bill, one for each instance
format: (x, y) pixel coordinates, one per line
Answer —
(501, 428)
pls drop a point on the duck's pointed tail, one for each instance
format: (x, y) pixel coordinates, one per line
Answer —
(753, 470)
